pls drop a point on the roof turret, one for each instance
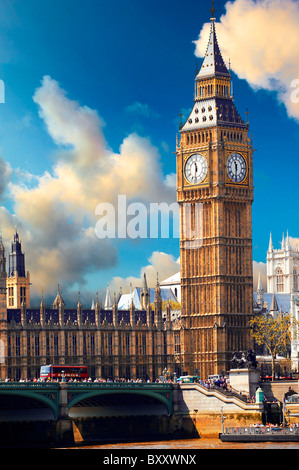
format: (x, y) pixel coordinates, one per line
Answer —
(213, 63)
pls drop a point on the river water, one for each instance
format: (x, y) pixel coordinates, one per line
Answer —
(193, 444)
(175, 453)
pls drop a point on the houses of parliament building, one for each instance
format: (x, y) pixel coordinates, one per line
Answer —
(112, 342)
(215, 193)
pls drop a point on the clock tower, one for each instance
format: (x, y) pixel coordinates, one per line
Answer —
(215, 194)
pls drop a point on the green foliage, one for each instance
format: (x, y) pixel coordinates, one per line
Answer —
(173, 305)
(274, 333)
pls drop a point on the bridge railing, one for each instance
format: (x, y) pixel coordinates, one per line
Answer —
(31, 385)
(122, 385)
(263, 430)
(227, 393)
(91, 385)
(231, 393)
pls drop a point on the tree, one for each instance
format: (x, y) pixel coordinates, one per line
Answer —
(173, 305)
(274, 333)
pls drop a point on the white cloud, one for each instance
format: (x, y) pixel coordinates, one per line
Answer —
(165, 265)
(5, 175)
(294, 242)
(70, 124)
(55, 212)
(162, 264)
(141, 109)
(261, 37)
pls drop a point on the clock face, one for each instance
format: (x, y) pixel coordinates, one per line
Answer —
(236, 167)
(196, 169)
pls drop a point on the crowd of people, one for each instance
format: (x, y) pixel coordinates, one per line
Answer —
(271, 425)
(67, 379)
(221, 382)
(209, 384)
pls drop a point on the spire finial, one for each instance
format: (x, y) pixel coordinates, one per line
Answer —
(181, 120)
(213, 11)
(270, 243)
(144, 283)
(247, 116)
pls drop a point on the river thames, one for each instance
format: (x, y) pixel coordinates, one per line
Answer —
(192, 444)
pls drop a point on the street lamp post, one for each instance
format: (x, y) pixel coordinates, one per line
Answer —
(222, 421)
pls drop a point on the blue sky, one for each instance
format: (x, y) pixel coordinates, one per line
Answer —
(133, 63)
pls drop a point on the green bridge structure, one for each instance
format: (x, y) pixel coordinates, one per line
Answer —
(64, 413)
(56, 400)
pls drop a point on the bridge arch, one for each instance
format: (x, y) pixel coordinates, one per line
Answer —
(146, 394)
(31, 398)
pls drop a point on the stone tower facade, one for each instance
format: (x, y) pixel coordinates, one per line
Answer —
(215, 193)
(283, 267)
(3, 315)
(18, 281)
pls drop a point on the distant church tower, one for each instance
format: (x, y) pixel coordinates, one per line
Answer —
(215, 193)
(18, 282)
(283, 267)
(3, 313)
(3, 274)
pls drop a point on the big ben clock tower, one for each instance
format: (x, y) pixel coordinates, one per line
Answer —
(215, 194)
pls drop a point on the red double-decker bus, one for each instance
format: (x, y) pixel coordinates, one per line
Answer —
(60, 372)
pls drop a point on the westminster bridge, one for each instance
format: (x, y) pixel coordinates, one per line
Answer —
(59, 412)
(55, 400)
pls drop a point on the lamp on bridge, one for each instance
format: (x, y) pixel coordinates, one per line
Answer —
(165, 373)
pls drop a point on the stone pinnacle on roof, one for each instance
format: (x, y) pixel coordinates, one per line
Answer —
(259, 284)
(270, 243)
(145, 288)
(108, 302)
(58, 299)
(274, 305)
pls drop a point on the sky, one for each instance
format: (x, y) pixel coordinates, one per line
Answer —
(93, 95)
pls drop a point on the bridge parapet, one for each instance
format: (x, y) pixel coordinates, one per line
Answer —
(29, 385)
(196, 398)
(61, 396)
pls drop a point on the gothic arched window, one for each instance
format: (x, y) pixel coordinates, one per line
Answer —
(295, 274)
(279, 280)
